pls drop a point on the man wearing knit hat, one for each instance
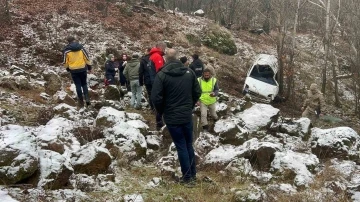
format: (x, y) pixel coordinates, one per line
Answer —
(110, 69)
(131, 73)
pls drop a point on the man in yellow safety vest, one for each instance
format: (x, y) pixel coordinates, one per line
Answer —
(209, 91)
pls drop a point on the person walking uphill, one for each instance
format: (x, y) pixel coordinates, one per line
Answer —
(131, 73)
(157, 62)
(110, 69)
(314, 104)
(77, 62)
(209, 91)
(123, 82)
(197, 65)
(175, 93)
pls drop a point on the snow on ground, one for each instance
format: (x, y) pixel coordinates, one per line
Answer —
(4, 196)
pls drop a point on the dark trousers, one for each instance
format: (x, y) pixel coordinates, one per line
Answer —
(182, 137)
(124, 81)
(159, 122)
(79, 79)
(148, 90)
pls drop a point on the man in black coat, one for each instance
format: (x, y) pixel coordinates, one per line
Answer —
(145, 75)
(197, 65)
(175, 93)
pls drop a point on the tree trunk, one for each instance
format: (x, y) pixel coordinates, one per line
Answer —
(336, 90)
(326, 46)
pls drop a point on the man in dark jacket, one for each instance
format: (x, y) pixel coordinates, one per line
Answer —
(175, 93)
(197, 65)
(144, 75)
(110, 69)
(77, 62)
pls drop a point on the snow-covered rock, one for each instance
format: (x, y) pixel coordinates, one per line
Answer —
(84, 182)
(205, 143)
(153, 142)
(252, 193)
(341, 142)
(229, 132)
(139, 125)
(66, 111)
(92, 80)
(18, 155)
(199, 13)
(4, 196)
(53, 81)
(133, 198)
(62, 97)
(55, 170)
(259, 116)
(221, 109)
(129, 139)
(167, 165)
(240, 166)
(91, 160)
(108, 117)
(299, 127)
(299, 164)
(155, 182)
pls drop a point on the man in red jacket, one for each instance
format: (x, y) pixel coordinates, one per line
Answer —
(156, 57)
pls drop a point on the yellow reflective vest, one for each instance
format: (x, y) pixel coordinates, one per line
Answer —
(207, 87)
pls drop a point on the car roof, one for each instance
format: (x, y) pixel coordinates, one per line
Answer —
(265, 59)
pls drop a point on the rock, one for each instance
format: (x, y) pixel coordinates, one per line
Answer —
(199, 13)
(260, 154)
(45, 96)
(299, 128)
(92, 80)
(220, 157)
(299, 165)
(53, 81)
(205, 143)
(252, 193)
(55, 170)
(66, 111)
(139, 125)
(223, 97)
(167, 166)
(239, 166)
(129, 139)
(155, 182)
(166, 138)
(133, 198)
(261, 177)
(112, 93)
(91, 160)
(18, 155)
(56, 135)
(105, 180)
(258, 117)
(108, 103)
(276, 190)
(221, 109)
(153, 142)
(22, 82)
(4, 195)
(63, 97)
(228, 131)
(108, 117)
(84, 182)
(341, 142)
(16, 71)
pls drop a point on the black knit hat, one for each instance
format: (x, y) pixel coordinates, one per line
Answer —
(183, 59)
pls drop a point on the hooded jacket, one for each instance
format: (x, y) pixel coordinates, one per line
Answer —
(198, 67)
(110, 68)
(76, 58)
(314, 100)
(175, 92)
(131, 70)
(156, 56)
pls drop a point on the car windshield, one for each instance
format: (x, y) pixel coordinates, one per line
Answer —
(263, 73)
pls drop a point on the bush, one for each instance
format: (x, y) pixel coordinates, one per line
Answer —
(219, 40)
(193, 39)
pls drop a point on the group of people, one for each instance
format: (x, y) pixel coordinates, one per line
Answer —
(173, 88)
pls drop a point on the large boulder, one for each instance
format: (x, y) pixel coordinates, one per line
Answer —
(18, 155)
(205, 143)
(296, 166)
(221, 109)
(153, 142)
(57, 135)
(129, 139)
(220, 157)
(63, 97)
(108, 117)
(66, 111)
(299, 127)
(229, 132)
(91, 160)
(53, 81)
(341, 142)
(55, 170)
(112, 93)
(258, 117)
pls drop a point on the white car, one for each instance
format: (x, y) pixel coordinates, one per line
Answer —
(260, 81)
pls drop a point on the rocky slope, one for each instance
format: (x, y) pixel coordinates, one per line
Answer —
(50, 150)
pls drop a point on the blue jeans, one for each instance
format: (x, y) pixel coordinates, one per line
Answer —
(79, 79)
(136, 91)
(182, 137)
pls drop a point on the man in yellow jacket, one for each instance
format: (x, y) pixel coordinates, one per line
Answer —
(77, 62)
(209, 91)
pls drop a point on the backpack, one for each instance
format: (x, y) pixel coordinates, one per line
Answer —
(150, 66)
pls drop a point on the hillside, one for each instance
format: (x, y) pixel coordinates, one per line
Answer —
(52, 151)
